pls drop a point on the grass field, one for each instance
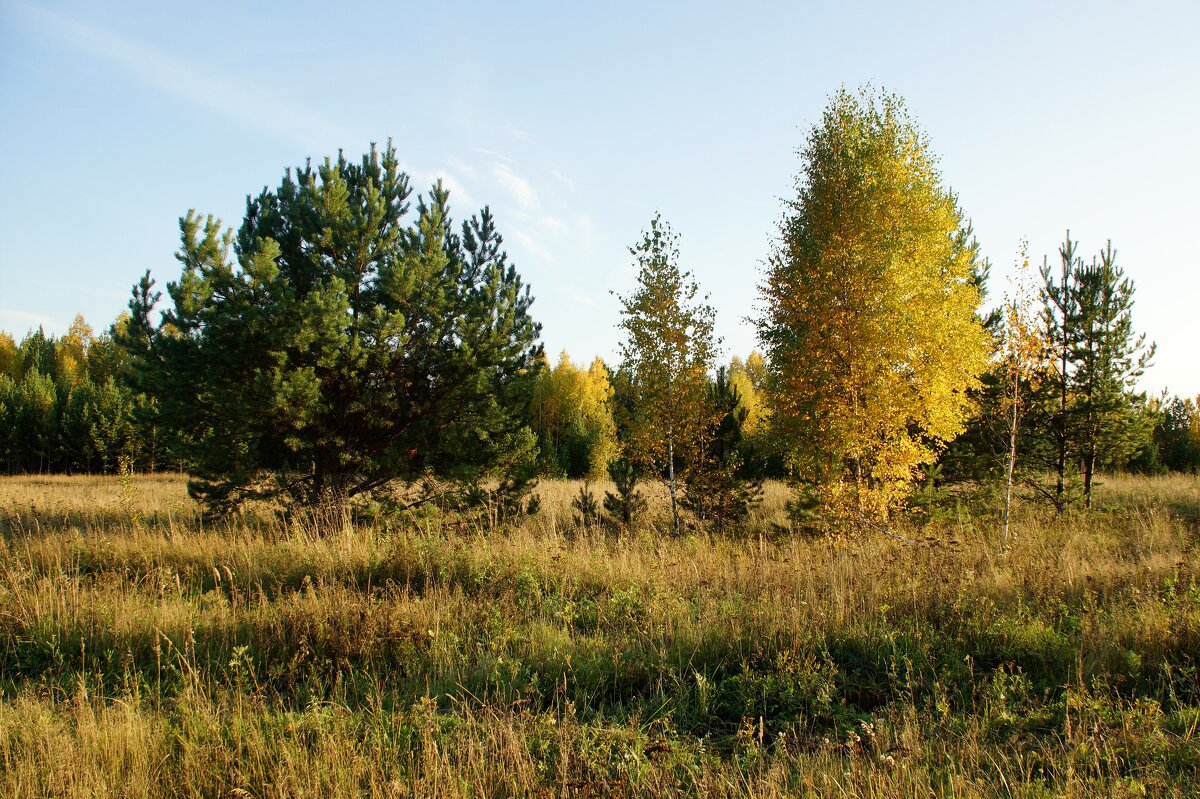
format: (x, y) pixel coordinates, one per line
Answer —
(146, 652)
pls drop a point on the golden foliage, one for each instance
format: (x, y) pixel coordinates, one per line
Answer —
(870, 326)
(569, 399)
(668, 350)
(9, 362)
(1022, 348)
(70, 351)
(750, 392)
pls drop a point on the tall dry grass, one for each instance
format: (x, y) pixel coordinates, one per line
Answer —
(148, 651)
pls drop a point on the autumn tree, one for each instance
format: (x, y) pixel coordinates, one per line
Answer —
(747, 379)
(1022, 363)
(10, 363)
(870, 325)
(344, 340)
(573, 419)
(668, 350)
(71, 352)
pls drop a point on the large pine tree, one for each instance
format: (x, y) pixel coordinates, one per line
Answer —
(342, 340)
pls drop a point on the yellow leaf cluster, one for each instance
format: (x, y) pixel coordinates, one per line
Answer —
(871, 309)
(71, 351)
(1022, 346)
(750, 391)
(571, 399)
(8, 356)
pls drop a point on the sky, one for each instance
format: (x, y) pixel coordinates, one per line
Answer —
(577, 122)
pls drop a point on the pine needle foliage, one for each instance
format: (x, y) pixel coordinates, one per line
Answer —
(344, 339)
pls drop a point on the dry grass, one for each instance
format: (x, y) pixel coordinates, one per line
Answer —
(149, 652)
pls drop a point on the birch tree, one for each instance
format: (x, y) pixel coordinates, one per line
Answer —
(870, 325)
(1023, 360)
(667, 352)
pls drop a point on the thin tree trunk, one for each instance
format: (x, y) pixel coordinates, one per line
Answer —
(1012, 463)
(318, 483)
(858, 488)
(671, 484)
(1060, 501)
(1089, 469)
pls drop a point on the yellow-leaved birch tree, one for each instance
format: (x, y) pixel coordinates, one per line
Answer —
(869, 325)
(573, 419)
(1023, 358)
(667, 352)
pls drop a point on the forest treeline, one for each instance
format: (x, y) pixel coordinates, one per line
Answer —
(67, 406)
(350, 337)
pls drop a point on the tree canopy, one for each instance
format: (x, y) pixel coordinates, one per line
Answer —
(668, 349)
(343, 339)
(870, 319)
(573, 418)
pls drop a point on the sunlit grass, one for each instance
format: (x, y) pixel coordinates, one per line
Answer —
(149, 651)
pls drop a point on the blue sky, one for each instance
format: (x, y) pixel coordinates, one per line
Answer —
(576, 123)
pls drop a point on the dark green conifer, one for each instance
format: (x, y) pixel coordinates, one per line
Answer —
(341, 341)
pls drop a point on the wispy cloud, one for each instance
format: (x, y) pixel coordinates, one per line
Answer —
(461, 167)
(532, 245)
(536, 230)
(528, 200)
(460, 198)
(462, 203)
(495, 155)
(563, 179)
(200, 86)
(519, 187)
(19, 322)
(552, 224)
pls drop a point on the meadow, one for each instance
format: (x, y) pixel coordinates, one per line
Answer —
(146, 651)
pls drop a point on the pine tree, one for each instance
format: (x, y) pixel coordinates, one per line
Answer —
(1177, 434)
(719, 491)
(1060, 303)
(1091, 415)
(351, 344)
(1109, 359)
(626, 505)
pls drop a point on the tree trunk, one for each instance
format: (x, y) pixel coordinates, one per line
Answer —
(318, 484)
(671, 484)
(1012, 463)
(1089, 469)
(1059, 498)
(858, 488)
